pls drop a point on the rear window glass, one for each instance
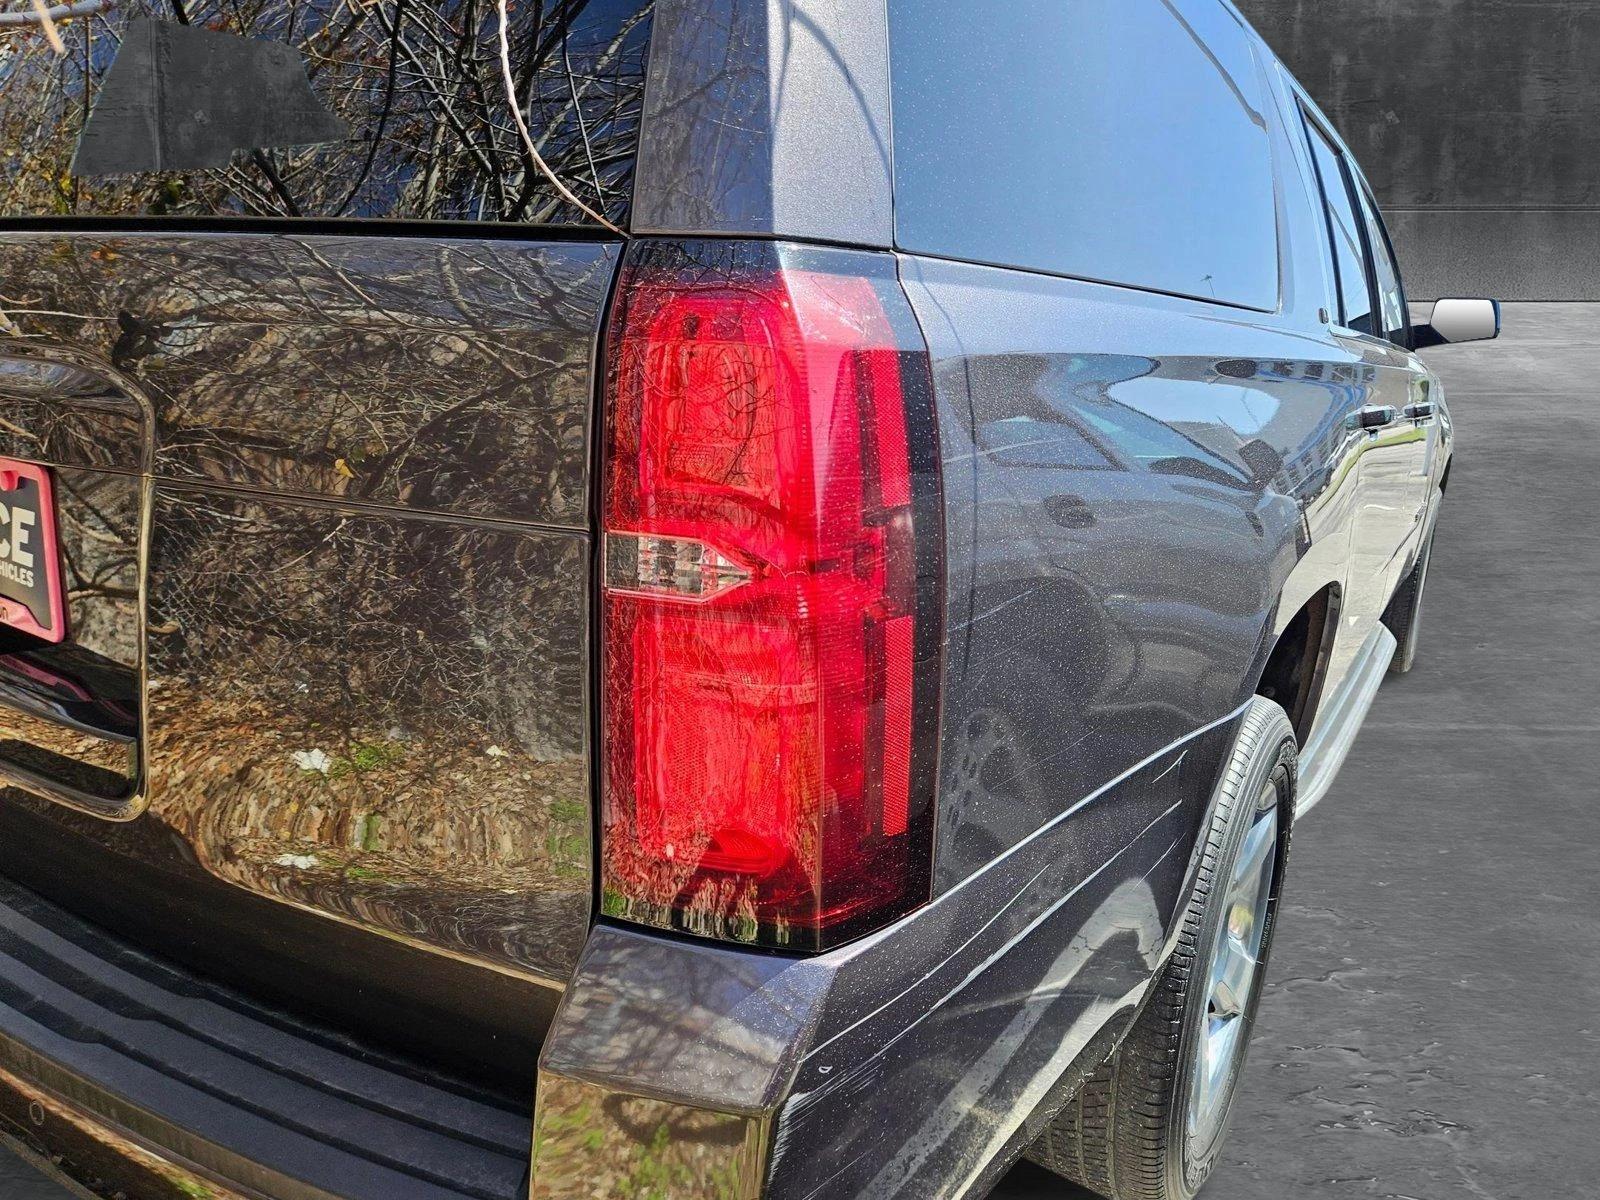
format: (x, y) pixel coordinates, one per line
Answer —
(1115, 140)
(384, 109)
(1386, 273)
(1344, 231)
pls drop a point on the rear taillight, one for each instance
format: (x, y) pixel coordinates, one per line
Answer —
(772, 594)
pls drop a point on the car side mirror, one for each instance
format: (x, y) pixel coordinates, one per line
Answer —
(1458, 321)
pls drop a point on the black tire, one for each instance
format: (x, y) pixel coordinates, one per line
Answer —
(1404, 614)
(1125, 1135)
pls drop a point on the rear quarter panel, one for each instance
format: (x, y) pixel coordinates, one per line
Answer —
(1140, 492)
(1144, 490)
(1109, 608)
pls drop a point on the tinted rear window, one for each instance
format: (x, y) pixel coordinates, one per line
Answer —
(406, 104)
(1349, 255)
(1115, 140)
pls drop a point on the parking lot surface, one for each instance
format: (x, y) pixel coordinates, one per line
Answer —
(19, 1181)
(1432, 1025)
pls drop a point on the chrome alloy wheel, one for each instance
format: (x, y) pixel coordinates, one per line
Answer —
(1235, 966)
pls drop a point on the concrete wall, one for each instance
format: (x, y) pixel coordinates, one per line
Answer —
(1478, 123)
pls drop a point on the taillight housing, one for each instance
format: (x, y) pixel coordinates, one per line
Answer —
(772, 589)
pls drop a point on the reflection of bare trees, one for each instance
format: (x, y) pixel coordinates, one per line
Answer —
(348, 619)
(450, 375)
(433, 136)
(98, 521)
(590, 1142)
(364, 699)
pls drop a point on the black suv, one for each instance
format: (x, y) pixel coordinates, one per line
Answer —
(743, 593)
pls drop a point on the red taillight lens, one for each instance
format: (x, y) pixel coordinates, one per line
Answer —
(772, 591)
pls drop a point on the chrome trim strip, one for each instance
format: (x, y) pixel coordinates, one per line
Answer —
(112, 1142)
(1325, 753)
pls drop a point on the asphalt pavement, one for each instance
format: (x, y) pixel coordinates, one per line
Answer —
(19, 1181)
(1432, 1026)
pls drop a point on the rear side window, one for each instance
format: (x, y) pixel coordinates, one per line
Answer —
(1116, 140)
(1344, 235)
(392, 109)
(1385, 273)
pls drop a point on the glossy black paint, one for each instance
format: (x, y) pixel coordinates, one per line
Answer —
(767, 117)
(57, 410)
(440, 375)
(331, 527)
(1126, 570)
(1142, 493)
(910, 1062)
(369, 511)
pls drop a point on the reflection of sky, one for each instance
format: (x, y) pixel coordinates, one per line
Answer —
(1129, 380)
(1112, 400)
(1357, 305)
(1244, 410)
(1095, 139)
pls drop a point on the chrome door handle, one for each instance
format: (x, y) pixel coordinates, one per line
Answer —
(1373, 416)
(1420, 412)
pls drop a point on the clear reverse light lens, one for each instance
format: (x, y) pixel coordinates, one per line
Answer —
(642, 564)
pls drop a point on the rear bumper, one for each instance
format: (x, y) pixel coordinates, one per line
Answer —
(917, 1062)
(145, 1081)
(88, 1155)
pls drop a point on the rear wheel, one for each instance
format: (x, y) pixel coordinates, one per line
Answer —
(1150, 1123)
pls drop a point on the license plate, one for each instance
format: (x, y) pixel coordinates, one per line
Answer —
(30, 567)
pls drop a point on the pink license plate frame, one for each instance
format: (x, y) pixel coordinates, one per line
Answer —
(31, 597)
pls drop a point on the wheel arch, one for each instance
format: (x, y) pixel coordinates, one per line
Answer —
(1295, 670)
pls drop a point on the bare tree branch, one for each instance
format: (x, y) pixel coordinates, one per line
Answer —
(48, 16)
(522, 127)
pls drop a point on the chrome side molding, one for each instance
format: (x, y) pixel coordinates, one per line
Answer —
(1324, 753)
